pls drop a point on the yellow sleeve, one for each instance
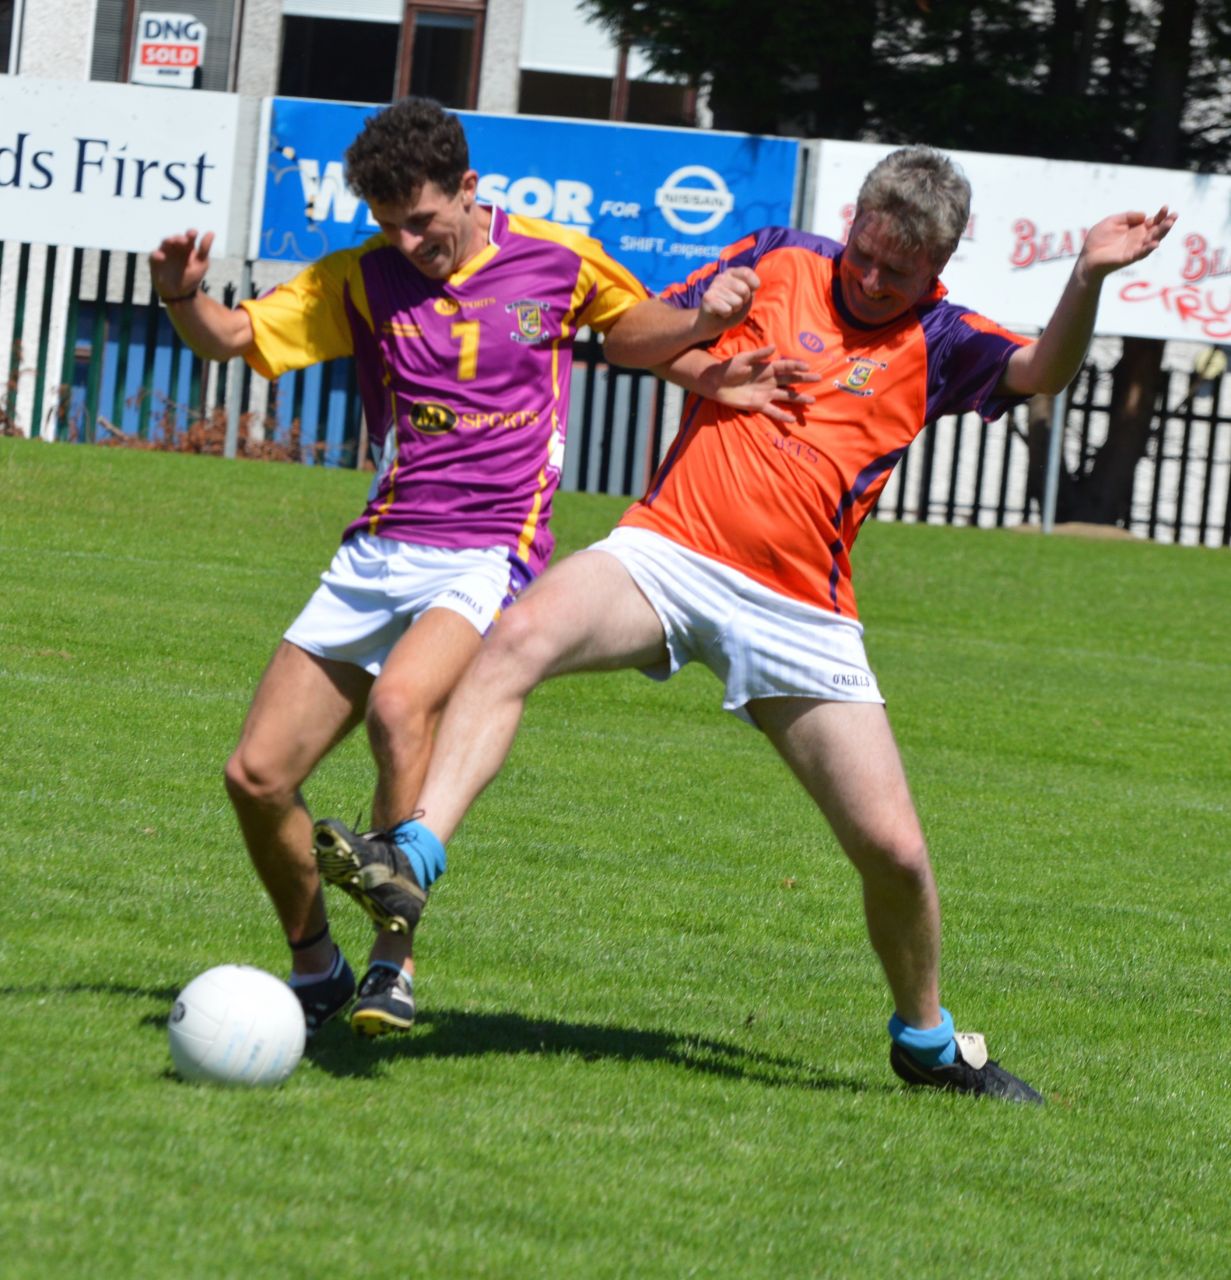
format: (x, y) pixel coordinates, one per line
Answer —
(615, 287)
(304, 320)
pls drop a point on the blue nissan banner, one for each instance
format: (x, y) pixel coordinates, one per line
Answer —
(662, 201)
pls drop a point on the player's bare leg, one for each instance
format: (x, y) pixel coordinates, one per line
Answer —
(845, 755)
(404, 707)
(303, 706)
(583, 614)
(586, 613)
(406, 703)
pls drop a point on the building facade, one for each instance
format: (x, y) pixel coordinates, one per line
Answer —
(86, 352)
(531, 57)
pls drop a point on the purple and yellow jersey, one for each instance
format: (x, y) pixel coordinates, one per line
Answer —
(464, 381)
(783, 503)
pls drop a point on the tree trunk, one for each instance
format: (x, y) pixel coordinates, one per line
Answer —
(1160, 139)
(1038, 440)
(1104, 495)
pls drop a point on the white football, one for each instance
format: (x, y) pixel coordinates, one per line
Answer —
(236, 1025)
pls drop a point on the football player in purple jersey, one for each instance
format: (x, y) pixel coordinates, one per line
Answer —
(461, 320)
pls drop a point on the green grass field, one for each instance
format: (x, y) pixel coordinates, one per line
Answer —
(651, 1040)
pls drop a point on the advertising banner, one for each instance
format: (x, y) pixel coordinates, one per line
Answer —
(662, 201)
(111, 166)
(1028, 221)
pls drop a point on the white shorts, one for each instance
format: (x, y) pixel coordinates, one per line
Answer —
(376, 587)
(759, 643)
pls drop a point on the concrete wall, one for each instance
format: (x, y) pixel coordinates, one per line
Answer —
(260, 43)
(57, 39)
(500, 70)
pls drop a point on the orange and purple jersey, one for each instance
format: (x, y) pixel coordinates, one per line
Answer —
(783, 503)
(464, 381)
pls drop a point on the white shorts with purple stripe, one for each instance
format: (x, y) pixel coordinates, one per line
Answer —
(759, 643)
(376, 587)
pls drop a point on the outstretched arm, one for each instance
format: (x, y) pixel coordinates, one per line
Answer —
(1051, 363)
(213, 331)
(652, 333)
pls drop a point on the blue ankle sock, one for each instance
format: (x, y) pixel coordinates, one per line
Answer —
(931, 1047)
(425, 852)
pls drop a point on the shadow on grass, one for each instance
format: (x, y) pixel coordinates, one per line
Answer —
(452, 1033)
(164, 994)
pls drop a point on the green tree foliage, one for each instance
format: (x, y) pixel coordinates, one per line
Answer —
(1103, 80)
(1111, 81)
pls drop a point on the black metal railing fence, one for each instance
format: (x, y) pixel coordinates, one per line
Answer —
(113, 368)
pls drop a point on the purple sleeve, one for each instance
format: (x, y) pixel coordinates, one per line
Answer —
(967, 355)
(745, 253)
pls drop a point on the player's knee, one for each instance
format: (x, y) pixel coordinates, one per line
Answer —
(519, 650)
(252, 783)
(398, 719)
(897, 857)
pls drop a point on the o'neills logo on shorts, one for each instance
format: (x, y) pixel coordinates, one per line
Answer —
(847, 681)
(430, 419)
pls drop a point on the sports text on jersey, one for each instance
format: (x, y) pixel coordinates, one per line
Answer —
(432, 419)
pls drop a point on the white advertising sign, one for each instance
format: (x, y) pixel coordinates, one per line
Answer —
(1028, 221)
(169, 50)
(110, 166)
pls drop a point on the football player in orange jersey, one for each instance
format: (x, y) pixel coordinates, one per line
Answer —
(738, 554)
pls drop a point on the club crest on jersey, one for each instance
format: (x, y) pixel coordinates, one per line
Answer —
(430, 419)
(859, 375)
(529, 315)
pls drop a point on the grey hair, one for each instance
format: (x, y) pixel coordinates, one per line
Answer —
(923, 197)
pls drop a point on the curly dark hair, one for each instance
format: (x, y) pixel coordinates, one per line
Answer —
(400, 148)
